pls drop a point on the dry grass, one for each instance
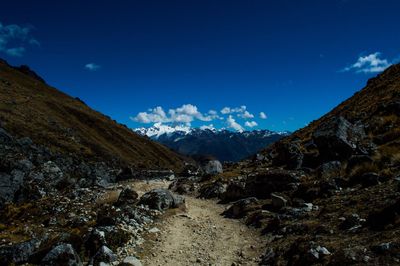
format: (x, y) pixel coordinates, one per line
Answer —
(49, 117)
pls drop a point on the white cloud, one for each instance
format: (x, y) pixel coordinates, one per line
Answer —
(212, 112)
(371, 63)
(251, 124)
(210, 127)
(92, 66)
(263, 115)
(226, 110)
(229, 110)
(246, 115)
(231, 122)
(187, 113)
(15, 38)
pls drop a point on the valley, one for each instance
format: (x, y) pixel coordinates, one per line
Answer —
(77, 188)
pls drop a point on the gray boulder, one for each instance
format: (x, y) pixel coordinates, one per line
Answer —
(213, 167)
(338, 139)
(63, 254)
(161, 199)
(18, 253)
(234, 191)
(240, 208)
(127, 196)
(288, 154)
(104, 255)
(52, 173)
(130, 261)
(213, 190)
(261, 185)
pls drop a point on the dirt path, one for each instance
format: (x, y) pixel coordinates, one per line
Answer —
(201, 236)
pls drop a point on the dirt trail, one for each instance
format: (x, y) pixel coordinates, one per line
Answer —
(201, 236)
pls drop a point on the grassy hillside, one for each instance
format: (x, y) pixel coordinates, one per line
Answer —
(31, 108)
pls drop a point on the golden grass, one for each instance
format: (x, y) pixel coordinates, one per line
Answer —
(66, 125)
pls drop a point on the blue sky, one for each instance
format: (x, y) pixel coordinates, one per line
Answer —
(179, 61)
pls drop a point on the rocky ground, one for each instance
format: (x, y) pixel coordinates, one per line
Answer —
(59, 210)
(200, 235)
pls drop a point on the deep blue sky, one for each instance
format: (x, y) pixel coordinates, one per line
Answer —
(290, 59)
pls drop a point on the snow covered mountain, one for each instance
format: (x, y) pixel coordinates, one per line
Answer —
(222, 144)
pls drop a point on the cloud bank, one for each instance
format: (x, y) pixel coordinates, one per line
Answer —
(188, 113)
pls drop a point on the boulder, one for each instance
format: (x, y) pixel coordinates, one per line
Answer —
(94, 241)
(18, 253)
(337, 139)
(213, 190)
(213, 167)
(103, 175)
(234, 191)
(240, 208)
(105, 255)
(63, 254)
(278, 202)
(287, 154)
(127, 196)
(261, 185)
(161, 199)
(130, 261)
(182, 186)
(52, 174)
(329, 170)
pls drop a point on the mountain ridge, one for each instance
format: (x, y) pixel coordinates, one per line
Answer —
(31, 108)
(222, 144)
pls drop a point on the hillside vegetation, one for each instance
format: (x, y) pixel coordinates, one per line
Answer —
(31, 108)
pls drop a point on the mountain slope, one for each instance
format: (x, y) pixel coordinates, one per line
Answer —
(372, 112)
(31, 108)
(224, 145)
(329, 193)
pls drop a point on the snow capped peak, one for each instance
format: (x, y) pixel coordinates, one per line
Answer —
(159, 129)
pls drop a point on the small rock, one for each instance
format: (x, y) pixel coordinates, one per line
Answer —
(154, 230)
(130, 261)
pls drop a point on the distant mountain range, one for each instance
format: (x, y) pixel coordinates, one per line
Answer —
(223, 144)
